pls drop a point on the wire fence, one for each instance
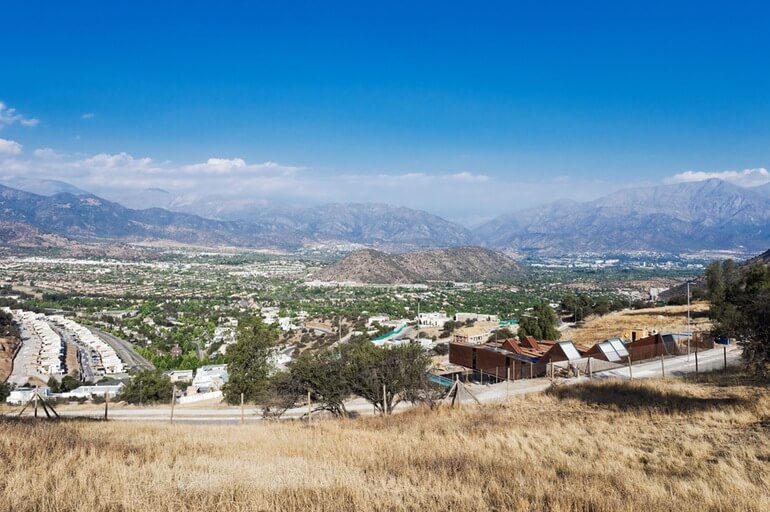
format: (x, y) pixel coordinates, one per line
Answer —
(661, 349)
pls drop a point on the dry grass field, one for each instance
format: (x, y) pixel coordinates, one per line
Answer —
(644, 445)
(662, 319)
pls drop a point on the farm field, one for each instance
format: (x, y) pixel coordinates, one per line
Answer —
(670, 444)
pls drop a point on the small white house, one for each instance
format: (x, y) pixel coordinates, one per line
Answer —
(432, 319)
(210, 378)
(89, 392)
(180, 375)
(21, 396)
(380, 319)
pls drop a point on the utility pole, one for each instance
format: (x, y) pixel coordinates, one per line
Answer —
(418, 319)
(689, 330)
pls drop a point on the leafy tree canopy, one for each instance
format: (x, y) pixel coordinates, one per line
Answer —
(248, 360)
(541, 324)
(150, 386)
(740, 307)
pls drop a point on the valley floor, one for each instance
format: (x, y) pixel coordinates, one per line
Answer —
(673, 444)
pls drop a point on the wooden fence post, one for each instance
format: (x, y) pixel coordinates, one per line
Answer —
(384, 400)
(662, 367)
(173, 401)
(241, 408)
(630, 369)
(106, 404)
(724, 353)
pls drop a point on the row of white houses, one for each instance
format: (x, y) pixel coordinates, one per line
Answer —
(47, 349)
(109, 358)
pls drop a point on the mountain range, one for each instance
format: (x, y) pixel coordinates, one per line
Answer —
(674, 218)
(712, 214)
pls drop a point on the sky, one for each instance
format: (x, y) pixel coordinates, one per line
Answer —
(463, 109)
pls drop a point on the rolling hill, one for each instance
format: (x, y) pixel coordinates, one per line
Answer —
(456, 264)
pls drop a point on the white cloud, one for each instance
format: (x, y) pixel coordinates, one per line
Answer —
(463, 196)
(223, 166)
(468, 177)
(9, 116)
(9, 147)
(119, 173)
(87, 116)
(745, 178)
(47, 154)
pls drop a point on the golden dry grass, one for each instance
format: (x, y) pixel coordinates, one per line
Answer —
(662, 319)
(655, 445)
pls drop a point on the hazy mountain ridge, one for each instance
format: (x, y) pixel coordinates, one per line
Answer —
(711, 214)
(89, 216)
(676, 218)
(455, 264)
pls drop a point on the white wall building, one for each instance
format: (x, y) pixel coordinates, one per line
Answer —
(432, 319)
(479, 317)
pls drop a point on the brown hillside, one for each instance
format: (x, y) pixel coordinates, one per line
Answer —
(457, 264)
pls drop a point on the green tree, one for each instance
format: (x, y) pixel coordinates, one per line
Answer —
(281, 393)
(5, 390)
(323, 374)
(400, 370)
(53, 384)
(149, 386)
(741, 308)
(68, 383)
(541, 324)
(501, 334)
(248, 360)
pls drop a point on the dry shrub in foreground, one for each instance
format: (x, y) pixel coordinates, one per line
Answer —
(678, 445)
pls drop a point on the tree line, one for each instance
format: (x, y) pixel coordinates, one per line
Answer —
(384, 376)
(740, 308)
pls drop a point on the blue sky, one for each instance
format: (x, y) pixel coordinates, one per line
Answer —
(463, 109)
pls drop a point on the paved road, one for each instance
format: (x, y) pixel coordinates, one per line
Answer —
(24, 364)
(85, 369)
(202, 413)
(125, 351)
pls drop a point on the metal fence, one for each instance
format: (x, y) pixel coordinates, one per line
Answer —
(590, 365)
(691, 348)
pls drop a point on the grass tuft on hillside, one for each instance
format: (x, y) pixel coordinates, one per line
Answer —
(685, 445)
